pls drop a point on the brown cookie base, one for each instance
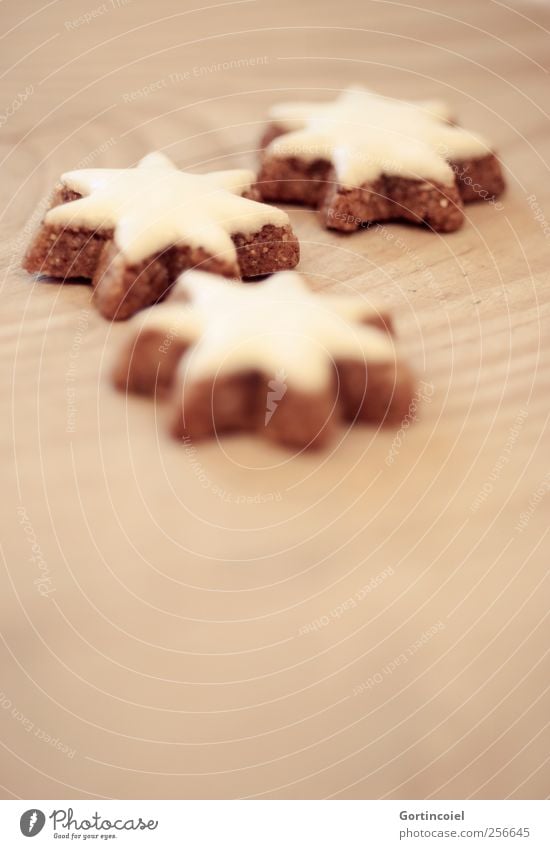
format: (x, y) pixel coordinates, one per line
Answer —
(148, 363)
(272, 131)
(314, 184)
(272, 249)
(381, 395)
(479, 179)
(439, 207)
(199, 409)
(294, 180)
(68, 252)
(237, 402)
(121, 288)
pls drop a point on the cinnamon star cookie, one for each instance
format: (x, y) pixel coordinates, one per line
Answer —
(133, 231)
(274, 357)
(364, 157)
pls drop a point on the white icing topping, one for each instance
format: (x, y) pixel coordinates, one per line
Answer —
(155, 205)
(278, 326)
(365, 135)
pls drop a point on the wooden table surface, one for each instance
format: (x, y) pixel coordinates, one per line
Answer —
(233, 620)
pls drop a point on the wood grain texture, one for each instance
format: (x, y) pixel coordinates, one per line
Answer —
(231, 620)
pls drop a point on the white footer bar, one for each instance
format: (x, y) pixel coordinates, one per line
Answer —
(277, 824)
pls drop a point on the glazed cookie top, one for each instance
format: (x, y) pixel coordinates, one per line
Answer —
(278, 326)
(156, 205)
(366, 135)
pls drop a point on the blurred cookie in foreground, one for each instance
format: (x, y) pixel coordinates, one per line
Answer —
(274, 358)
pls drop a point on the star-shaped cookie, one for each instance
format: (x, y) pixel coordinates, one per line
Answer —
(273, 357)
(134, 230)
(364, 157)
